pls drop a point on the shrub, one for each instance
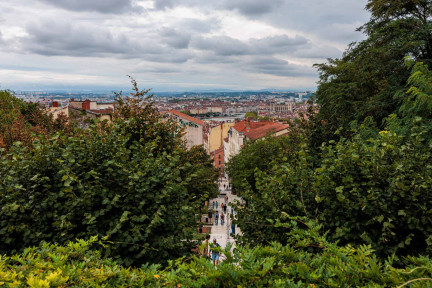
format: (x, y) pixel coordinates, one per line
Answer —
(131, 181)
(293, 265)
(366, 190)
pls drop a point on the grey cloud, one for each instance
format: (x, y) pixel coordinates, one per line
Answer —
(259, 64)
(284, 41)
(22, 68)
(60, 39)
(245, 7)
(271, 65)
(164, 70)
(278, 67)
(163, 4)
(168, 4)
(175, 57)
(226, 46)
(186, 44)
(199, 26)
(322, 18)
(222, 45)
(207, 57)
(318, 52)
(102, 6)
(342, 32)
(278, 44)
(144, 67)
(51, 38)
(176, 39)
(253, 7)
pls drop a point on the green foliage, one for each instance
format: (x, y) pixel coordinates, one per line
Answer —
(293, 265)
(251, 114)
(138, 119)
(365, 186)
(22, 121)
(203, 173)
(364, 82)
(187, 112)
(369, 189)
(418, 99)
(131, 181)
(271, 175)
(372, 191)
(273, 150)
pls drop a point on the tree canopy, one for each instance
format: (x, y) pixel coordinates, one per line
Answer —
(362, 167)
(22, 121)
(131, 181)
(365, 82)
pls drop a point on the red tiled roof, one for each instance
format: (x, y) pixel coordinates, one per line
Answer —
(255, 130)
(264, 130)
(187, 117)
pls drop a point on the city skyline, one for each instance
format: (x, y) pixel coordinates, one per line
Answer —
(184, 45)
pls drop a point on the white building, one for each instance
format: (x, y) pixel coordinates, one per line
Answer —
(282, 108)
(194, 128)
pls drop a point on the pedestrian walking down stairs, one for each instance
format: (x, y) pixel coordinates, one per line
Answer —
(222, 232)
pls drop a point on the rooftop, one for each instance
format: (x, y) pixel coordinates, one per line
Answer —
(256, 130)
(187, 117)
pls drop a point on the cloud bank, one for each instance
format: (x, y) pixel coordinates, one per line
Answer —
(182, 44)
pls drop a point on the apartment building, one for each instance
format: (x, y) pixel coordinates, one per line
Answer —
(249, 130)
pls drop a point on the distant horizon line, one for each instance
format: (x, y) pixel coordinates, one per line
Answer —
(289, 90)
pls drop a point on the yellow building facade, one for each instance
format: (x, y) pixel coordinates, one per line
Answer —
(216, 136)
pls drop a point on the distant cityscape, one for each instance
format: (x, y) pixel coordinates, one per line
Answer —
(220, 121)
(220, 106)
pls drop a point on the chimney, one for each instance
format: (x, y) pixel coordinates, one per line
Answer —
(86, 105)
(55, 104)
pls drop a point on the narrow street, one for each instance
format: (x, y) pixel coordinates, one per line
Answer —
(222, 233)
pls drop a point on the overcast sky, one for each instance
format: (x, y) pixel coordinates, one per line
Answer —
(172, 45)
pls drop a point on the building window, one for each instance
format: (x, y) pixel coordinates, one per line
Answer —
(219, 162)
(220, 156)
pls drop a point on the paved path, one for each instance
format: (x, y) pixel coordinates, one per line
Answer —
(222, 232)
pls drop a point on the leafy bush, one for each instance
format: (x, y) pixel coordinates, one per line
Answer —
(374, 191)
(138, 186)
(22, 121)
(373, 187)
(364, 190)
(293, 265)
(243, 166)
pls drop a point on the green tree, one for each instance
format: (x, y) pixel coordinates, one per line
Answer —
(137, 117)
(372, 191)
(251, 114)
(187, 112)
(259, 155)
(272, 176)
(131, 181)
(365, 82)
(22, 121)
(417, 101)
(367, 189)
